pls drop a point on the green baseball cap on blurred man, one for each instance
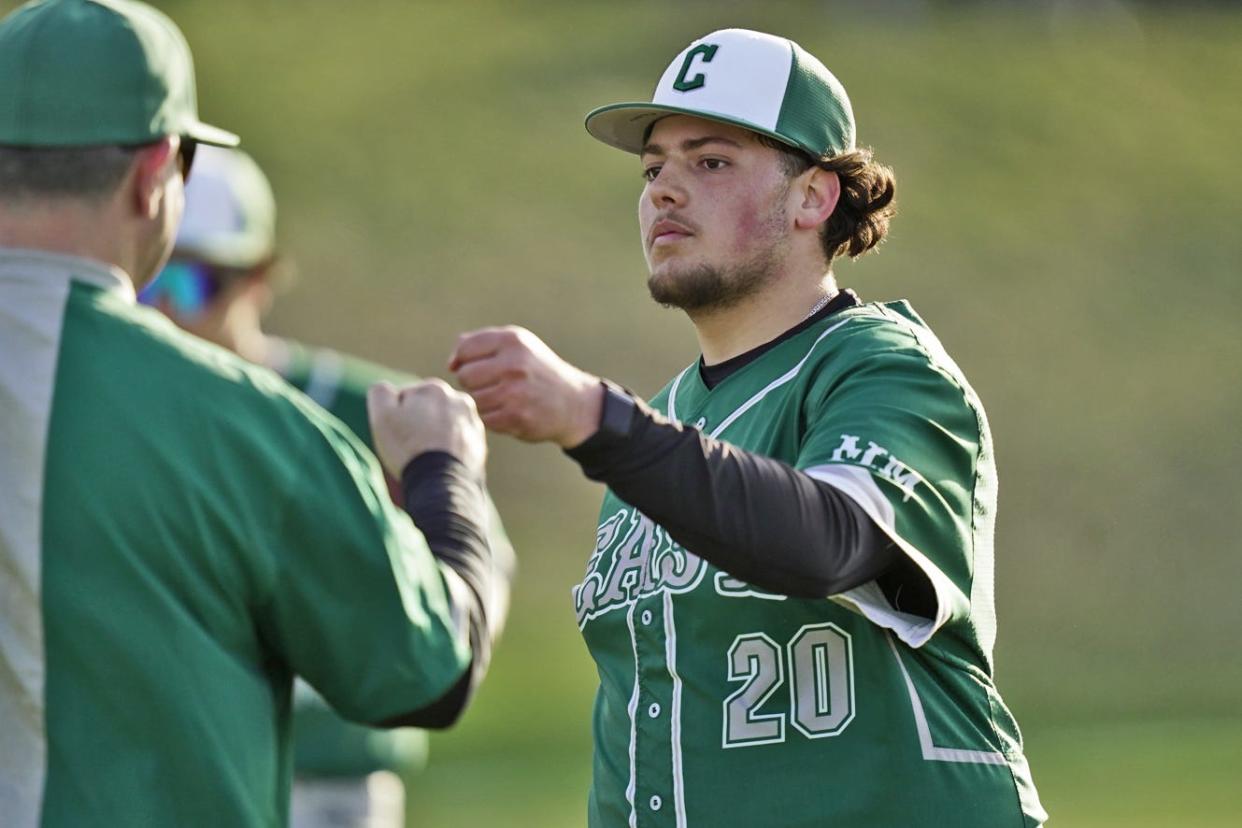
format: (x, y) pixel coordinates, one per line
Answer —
(82, 73)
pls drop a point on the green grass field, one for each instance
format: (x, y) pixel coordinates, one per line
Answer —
(1152, 774)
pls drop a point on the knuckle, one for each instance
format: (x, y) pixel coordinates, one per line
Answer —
(518, 368)
(432, 389)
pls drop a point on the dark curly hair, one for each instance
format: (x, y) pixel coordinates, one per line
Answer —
(860, 220)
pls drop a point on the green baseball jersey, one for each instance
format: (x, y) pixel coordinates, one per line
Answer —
(336, 381)
(181, 533)
(722, 704)
(324, 743)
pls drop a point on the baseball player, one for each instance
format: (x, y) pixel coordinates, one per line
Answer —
(789, 599)
(220, 281)
(181, 533)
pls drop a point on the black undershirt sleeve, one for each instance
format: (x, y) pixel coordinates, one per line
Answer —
(447, 504)
(757, 518)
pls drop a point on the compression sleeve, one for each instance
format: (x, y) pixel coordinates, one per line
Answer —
(757, 518)
(449, 506)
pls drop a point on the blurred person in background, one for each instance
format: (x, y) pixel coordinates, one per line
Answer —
(181, 533)
(790, 596)
(223, 276)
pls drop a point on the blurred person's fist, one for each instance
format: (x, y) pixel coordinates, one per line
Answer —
(522, 388)
(425, 416)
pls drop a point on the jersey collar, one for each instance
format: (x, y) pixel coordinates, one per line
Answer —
(22, 264)
(713, 375)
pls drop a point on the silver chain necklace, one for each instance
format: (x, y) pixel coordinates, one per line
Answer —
(819, 306)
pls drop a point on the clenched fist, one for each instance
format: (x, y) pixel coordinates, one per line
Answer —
(522, 388)
(425, 416)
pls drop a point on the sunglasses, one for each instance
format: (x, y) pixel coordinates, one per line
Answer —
(187, 289)
(185, 157)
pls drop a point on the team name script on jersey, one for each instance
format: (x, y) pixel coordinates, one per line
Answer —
(892, 469)
(645, 560)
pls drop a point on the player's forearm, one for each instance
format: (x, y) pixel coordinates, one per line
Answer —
(756, 518)
(450, 507)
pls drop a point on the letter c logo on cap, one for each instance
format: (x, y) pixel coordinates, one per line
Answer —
(708, 51)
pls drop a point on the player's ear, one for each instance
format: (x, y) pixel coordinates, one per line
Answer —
(153, 166)
(820, 190)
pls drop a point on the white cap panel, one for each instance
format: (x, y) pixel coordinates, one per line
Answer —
(745, 76)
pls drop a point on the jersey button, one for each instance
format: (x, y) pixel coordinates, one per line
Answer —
(656, 803)
(646, 618)
(654, 710)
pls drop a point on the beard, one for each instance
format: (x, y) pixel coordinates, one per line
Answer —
(708, 287)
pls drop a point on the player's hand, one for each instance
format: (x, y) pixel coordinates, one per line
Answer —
(425, 416)
(522, 388)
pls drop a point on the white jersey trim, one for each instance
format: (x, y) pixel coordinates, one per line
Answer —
(868, 599)
(931, 751)
(671, 407)
(632, 709)
(48, 269)
(672, 393)
(34, 289)
(324, 382)
(774, 384)
(670, 656)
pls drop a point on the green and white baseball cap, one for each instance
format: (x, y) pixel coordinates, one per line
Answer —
(230, 212)
(763, 83)
(81, 73)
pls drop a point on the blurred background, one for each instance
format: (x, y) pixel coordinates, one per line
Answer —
(1070, 224)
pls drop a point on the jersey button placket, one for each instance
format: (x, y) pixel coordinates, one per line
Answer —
(653, 765)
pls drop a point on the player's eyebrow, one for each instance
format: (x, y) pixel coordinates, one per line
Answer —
(652, 148)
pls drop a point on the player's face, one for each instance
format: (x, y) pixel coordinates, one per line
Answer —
(714, 217)
(201, 297)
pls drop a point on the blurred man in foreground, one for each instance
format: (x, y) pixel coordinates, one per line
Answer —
(180, 532)
(220, 281)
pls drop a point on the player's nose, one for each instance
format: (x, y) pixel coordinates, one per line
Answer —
(666, 189)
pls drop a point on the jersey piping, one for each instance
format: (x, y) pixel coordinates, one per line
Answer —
(670, 656)
(931, 752)
(34, 289)
(631, 790)
(776, 383)
(325, 378)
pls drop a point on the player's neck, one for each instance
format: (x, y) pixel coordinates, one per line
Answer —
(728, 332)
(252, 345)
(69, 228)
(240, 330)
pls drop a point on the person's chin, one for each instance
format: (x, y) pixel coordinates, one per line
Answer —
(664, 278)
(675, 287)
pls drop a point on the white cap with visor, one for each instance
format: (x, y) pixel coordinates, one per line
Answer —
(767, 84)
